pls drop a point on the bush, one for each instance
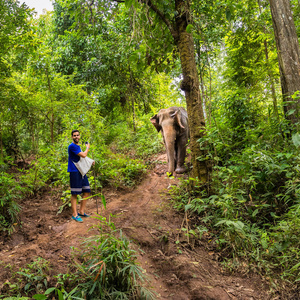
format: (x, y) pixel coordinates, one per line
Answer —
(141, 144)
(29, 280)
(49, 168)
(118, 170)
(253, 207)
(108, 268)
(10, 191)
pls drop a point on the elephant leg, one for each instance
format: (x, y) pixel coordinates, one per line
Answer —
(175, 156)
(169, 137)
(181, 153)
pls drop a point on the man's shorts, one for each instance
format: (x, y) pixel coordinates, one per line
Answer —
(79, 184)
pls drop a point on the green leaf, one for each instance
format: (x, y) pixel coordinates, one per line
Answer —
(290, 112)
(189, 28)
(103, 201)
(60, 295)
(39, 297)
(228, 15)
(296, 139)
(220, 222)
(187, 207)
(50, 290)
(238, 224)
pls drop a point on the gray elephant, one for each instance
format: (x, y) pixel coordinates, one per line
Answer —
(173, 124)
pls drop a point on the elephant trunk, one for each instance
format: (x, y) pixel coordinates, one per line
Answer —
(169, 139)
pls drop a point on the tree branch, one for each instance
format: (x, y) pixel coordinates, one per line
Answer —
(161, 16)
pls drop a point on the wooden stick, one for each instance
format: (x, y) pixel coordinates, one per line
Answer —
(95, 182)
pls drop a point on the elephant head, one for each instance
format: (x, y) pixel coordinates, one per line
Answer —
(173, 124)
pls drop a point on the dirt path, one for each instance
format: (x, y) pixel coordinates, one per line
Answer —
(148, 220)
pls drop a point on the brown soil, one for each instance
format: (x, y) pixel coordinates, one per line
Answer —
(177, 271)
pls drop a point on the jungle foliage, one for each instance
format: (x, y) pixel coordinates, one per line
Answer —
(105, 67)
(104, 267)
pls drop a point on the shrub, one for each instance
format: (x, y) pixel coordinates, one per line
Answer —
(108, 268)
(118, 170)
(29, 280)
(49, 168)
(10, 191)
(252, 210)
(141, 144)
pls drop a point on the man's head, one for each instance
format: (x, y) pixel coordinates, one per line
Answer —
(75, 136)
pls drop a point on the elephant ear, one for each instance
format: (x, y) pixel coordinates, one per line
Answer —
(177, 116)
(154, 121)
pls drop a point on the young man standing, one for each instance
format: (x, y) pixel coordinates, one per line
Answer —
(78, 183)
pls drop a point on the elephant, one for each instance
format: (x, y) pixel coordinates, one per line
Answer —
(173, 124)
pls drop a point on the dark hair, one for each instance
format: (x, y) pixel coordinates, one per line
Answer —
(75, 130)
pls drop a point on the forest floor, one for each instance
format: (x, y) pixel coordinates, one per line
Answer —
(147, 218)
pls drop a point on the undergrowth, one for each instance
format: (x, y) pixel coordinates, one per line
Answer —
(252, 209)
(108, 269)
(29, 280)
(10, 191)
(141, 143)
(104, 267)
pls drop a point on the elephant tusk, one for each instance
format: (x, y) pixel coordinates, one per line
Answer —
(177, 118)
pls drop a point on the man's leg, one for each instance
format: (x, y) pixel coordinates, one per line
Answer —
(83, 203)
(74, 205)
(76, 188)
(86, 192)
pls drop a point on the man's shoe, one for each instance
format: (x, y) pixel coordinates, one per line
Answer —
(77, 218)
(83, 215)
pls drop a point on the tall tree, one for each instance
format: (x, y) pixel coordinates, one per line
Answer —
(15, 36)
(288, 57)
(177, 17)
(14, 28)
(268, 64)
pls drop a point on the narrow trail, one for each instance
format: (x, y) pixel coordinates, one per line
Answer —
(184, 271)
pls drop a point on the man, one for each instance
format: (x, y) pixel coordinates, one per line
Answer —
(78, 183)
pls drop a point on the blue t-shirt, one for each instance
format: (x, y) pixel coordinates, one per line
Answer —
(73, 150)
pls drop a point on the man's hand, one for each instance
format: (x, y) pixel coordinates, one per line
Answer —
(84, 154)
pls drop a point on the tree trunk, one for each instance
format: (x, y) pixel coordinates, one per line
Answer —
(209, 98)
(202, 93)
(31, 126)
(1, 143)
(52, 126)
(288, 56)
(51, 108)
(131, 97)
(275, 106)
(201, 77)
(133, 113)
(270, 75)
(190, 85)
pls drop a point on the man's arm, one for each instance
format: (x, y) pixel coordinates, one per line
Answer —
(85, 153)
